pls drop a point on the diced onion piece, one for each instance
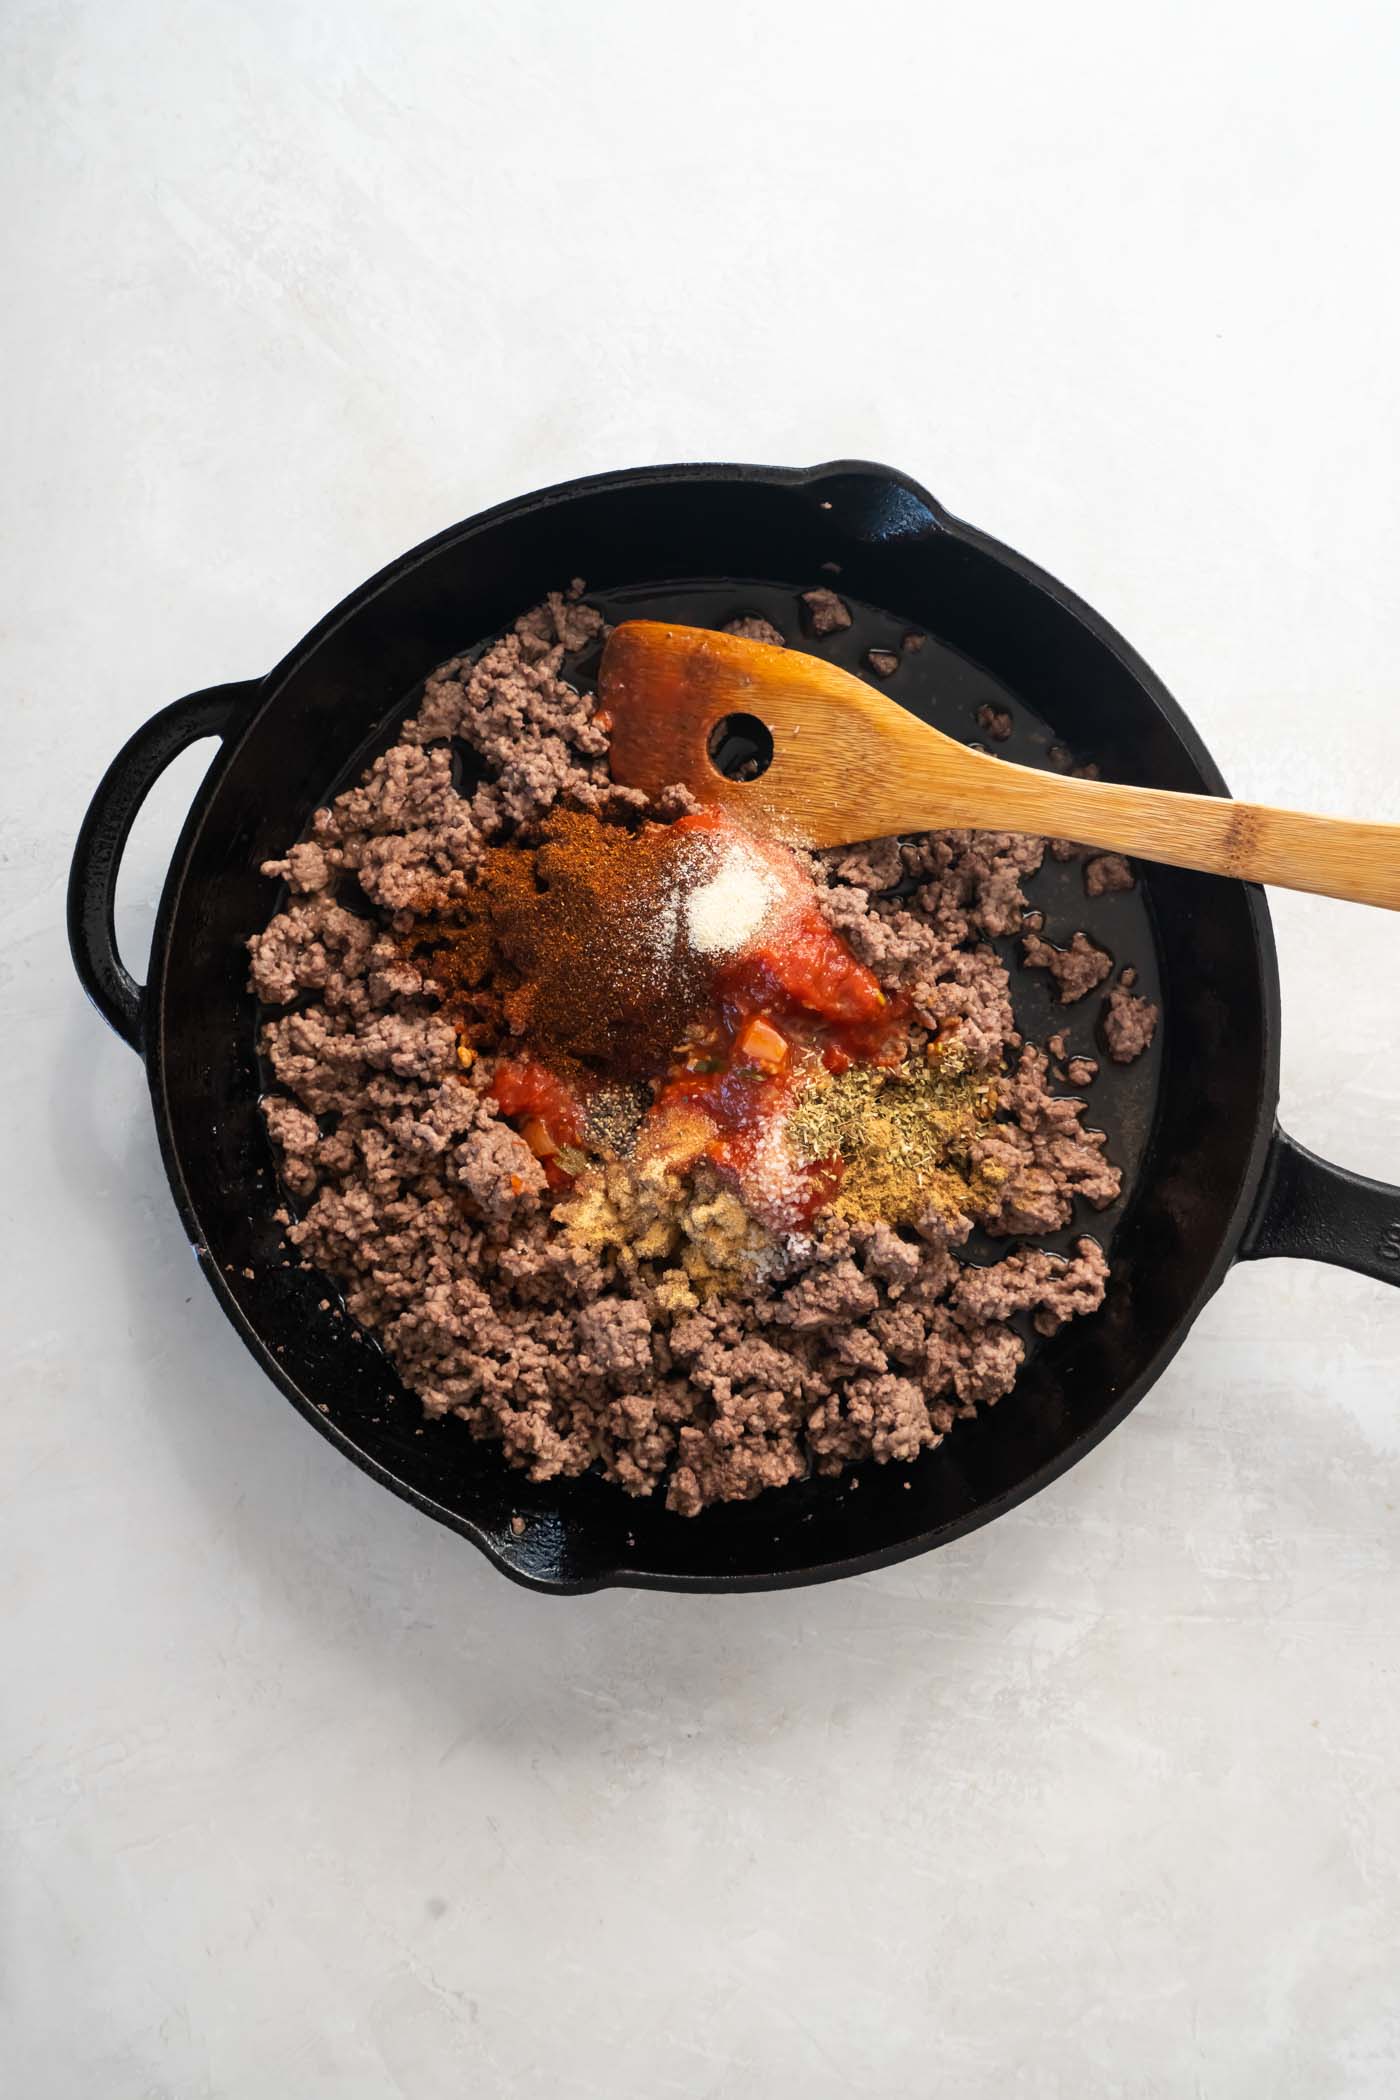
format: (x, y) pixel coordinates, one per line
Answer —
(761, 1043)
(537, 1136)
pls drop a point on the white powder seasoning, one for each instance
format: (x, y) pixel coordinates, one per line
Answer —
(735, 905)
(771, 1184)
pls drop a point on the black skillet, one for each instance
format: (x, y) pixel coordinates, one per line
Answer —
(1211, 1179)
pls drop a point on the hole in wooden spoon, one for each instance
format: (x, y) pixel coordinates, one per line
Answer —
(740, 747)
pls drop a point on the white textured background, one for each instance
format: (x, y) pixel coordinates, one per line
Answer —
(300, 1800)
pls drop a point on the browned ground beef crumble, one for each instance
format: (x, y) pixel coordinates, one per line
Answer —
(432, 1214)
(824, 612)
(754, 628)
(1076, 969)
(1128, 1022)
(1106, 874)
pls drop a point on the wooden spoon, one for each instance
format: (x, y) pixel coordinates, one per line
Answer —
(850, 764)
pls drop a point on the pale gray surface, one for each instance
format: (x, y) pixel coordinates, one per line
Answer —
(301, 1799)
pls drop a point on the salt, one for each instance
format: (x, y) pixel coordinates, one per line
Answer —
(724, 914)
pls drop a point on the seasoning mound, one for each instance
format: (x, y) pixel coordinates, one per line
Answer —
(736, 904)
(639, 1147)
(906, 1139)
(598, 938)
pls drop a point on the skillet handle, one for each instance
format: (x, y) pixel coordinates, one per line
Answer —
(1316, 1212)
(97, 857)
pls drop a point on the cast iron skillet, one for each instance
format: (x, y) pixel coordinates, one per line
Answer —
(1216, 1182)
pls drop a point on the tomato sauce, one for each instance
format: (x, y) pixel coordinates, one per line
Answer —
(781, 1009)
(546, 1110)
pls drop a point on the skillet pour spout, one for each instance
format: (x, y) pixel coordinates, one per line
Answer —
(1213, 1181)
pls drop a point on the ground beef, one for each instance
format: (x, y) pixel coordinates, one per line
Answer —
(1082, 1071)
(876, 864)
(499, 1172)
(883, 662)
(823, 612)
(995, 722)
(1075, 969)
(1105, 874)
(866, 1343)
(296, 1135)
(1047, 1285)
(754, 628)
(614, 1337)
(1128, 1022)
(1043, 1156)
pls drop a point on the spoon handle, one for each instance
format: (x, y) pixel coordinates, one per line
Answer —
(846, 763)
(1332, 856)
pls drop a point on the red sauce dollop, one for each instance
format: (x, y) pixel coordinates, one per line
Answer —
(782, 1007)
(546, 1110)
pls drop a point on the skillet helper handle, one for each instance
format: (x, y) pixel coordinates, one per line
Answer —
(1316, 1212)
(97, 857)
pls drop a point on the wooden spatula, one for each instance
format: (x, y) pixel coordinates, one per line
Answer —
(849, 764)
